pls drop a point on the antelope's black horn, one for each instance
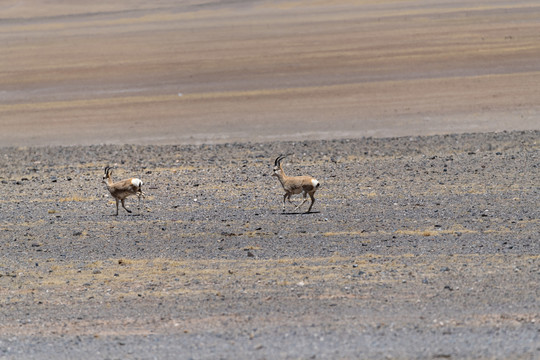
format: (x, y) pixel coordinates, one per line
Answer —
(278, 159)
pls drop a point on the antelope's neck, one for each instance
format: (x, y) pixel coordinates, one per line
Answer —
(282, 177)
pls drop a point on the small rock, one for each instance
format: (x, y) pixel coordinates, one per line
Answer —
(250, 254)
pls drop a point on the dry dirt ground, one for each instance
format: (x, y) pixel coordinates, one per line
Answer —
(418, 247)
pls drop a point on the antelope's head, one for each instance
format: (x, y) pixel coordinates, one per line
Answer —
(278, 170)
(107, 175)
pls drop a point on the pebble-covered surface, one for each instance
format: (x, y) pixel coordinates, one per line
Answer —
(418, 247)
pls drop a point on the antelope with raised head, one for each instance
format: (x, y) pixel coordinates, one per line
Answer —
(122, 189)
(306, 185)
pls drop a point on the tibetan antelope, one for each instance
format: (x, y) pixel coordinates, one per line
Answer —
(122, 189)
(295, 184)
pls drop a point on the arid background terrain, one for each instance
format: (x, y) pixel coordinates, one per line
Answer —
(420, 120)
(113, 71)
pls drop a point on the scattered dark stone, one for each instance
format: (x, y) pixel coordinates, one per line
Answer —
(225, 233)
(442, 356)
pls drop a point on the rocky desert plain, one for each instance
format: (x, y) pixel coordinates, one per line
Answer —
(421, 121)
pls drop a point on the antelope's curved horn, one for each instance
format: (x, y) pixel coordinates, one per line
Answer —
(279, 158)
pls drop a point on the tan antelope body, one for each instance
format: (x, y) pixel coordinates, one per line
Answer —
(120, 190)
(305, 185)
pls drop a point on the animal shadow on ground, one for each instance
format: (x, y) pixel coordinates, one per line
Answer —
(128, 215)
(299, 213)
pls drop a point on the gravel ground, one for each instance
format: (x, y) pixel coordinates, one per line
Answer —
(418, 247)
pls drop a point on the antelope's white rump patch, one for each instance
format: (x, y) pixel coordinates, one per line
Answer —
(136, 182)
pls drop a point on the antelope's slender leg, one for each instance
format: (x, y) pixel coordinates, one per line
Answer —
(312, 196)
(302, 203)
(290, 201)
(124, 206)
(116, 207)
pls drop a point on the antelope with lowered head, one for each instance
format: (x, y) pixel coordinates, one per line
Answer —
(122, 189)
(295, 184)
